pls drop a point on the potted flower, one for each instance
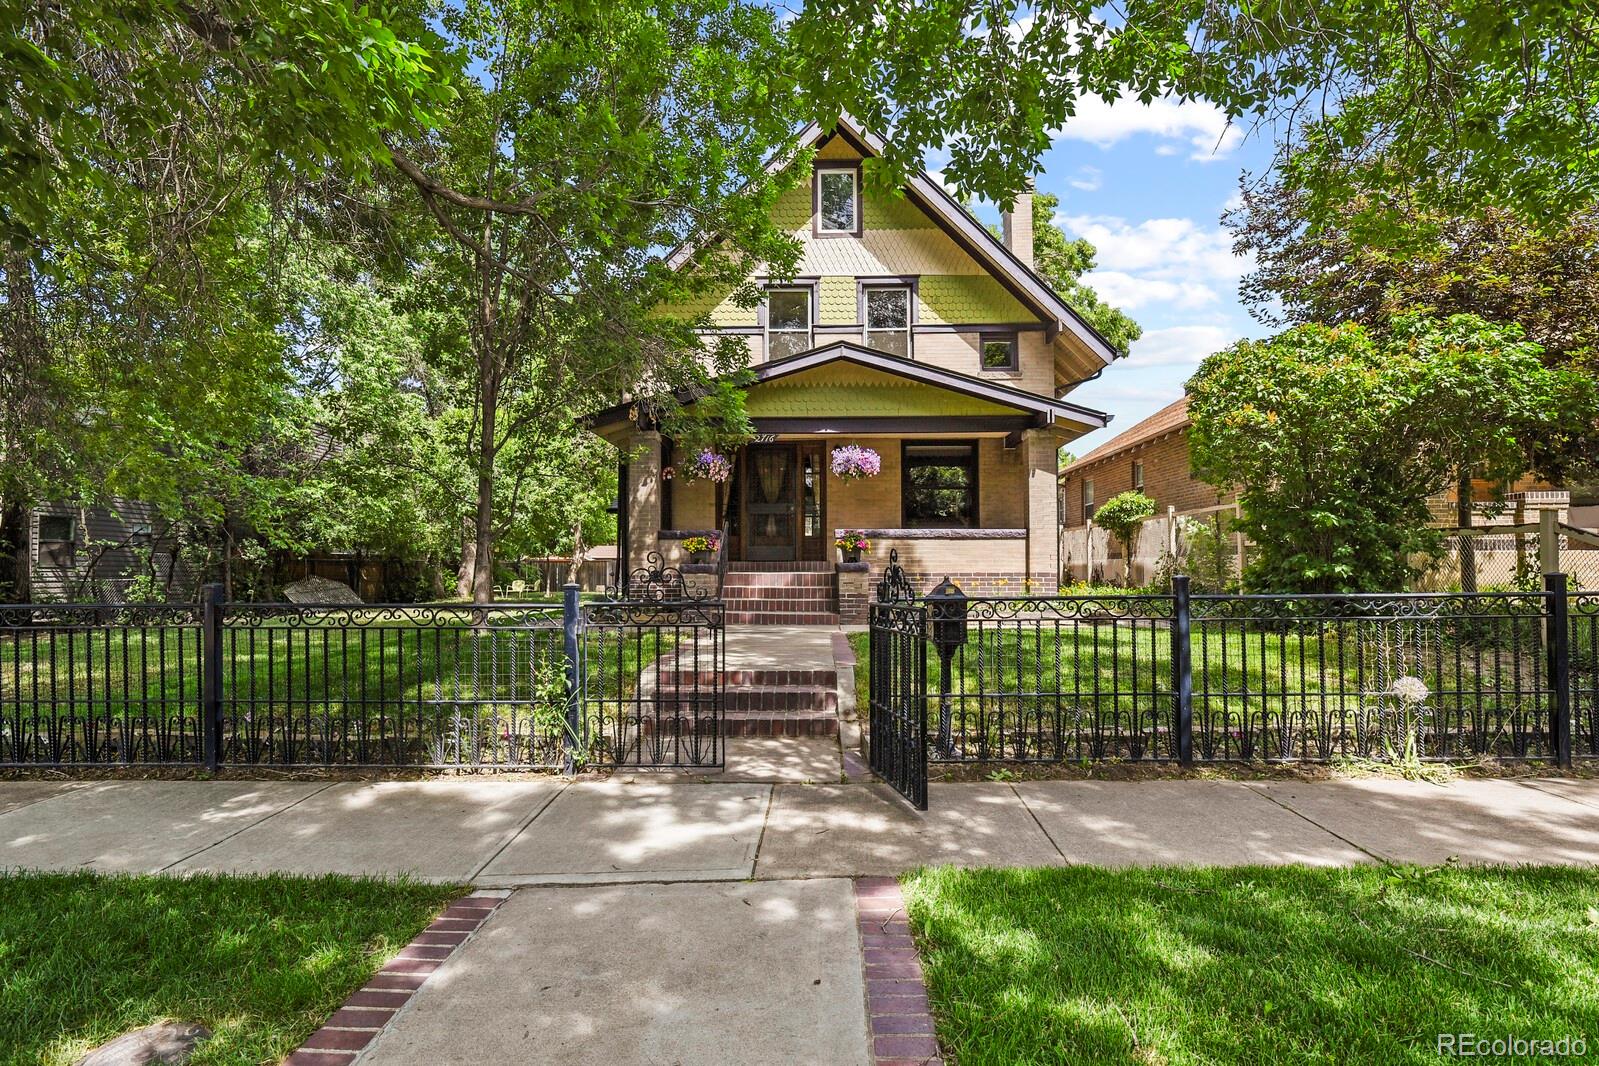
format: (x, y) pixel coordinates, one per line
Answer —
(852, 462)
(852, 542)
(700, 547)
(709, 466)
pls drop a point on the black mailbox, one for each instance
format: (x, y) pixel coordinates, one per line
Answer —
(947, 608)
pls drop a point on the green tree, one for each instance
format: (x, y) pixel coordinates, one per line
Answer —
(1485, 261)
(1335, 437)
(1438, 103)
(652, 128)
(1122, 516)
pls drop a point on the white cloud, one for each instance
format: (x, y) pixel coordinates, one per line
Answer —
(1179, 346)
(1088, 179)
(1200, 127)
(1159, 261)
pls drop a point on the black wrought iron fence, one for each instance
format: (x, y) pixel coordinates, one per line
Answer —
(1190, 678)
(479, 686)
(1584, 652)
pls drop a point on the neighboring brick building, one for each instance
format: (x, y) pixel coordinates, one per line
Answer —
(1151, 456)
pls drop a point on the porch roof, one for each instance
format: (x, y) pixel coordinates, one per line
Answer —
(928, 399)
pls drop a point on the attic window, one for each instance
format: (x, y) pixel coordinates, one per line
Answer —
(837, 201)
(999, 351)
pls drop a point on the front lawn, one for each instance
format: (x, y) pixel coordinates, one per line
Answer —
(261, 962)
(1253, 964)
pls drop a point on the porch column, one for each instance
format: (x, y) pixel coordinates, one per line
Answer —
(643, 495)
(1039, 460)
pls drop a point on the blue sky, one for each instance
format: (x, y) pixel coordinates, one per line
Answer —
(1147, 185)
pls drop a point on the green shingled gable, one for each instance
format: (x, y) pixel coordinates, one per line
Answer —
(844, 390)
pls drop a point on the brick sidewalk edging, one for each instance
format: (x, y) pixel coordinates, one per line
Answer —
(898, 1016)
(360, 1018)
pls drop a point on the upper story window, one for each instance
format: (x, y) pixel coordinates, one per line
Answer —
(1138, 476)
(999, 351)
(58, 542)
(1088, 499)
(788, 322)
(888, 319)
(838, 201)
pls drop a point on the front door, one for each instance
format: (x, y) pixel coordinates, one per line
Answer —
(771, 497)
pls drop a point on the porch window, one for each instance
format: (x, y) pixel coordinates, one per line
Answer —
(940, 484)
(788, 322)
(837, 202)
(58, 542)
(1088, 499)
(888, 320)
(999, 351)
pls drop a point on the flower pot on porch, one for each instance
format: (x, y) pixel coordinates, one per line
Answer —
(699, 557)
(852, 555)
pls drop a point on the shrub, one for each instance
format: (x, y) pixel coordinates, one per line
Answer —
(1120, 517)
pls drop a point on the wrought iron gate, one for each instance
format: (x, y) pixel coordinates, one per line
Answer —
(898, 681)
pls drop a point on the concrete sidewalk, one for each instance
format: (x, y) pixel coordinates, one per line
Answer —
(751, 974)
(644, 828)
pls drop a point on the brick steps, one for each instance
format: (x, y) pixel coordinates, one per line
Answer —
(782, 618)
(781, 594)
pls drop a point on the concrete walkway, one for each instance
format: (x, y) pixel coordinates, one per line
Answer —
(504, 833)
(659, 920)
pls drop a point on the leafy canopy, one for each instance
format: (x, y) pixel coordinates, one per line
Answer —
(1439, 103)
(1335, 437)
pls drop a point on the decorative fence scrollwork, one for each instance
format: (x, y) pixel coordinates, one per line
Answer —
(1253, 678)
(392, 685)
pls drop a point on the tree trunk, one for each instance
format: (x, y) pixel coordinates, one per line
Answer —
(483, 556)
(1468, 544)
(575, 570)
(14, 553)
(463, 576)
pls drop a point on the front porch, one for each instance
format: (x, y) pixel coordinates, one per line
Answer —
(966, 486)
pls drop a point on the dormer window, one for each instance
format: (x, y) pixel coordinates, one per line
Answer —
(838, 201)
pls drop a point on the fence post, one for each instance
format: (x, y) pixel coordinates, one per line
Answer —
(211, 675)
(1182, 668)
(570, 620)
(1558, 640)
(1549, 541)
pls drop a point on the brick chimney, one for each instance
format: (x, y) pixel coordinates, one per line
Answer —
(1017, 226)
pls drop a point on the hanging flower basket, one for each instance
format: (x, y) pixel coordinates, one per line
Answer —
(852, 462)
(708, 466)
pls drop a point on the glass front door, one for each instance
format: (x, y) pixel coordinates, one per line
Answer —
(771, 498)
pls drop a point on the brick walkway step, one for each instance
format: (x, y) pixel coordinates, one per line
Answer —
(781, 567)
(766, 580)
(781, 618)
(670, 679)
(782, 699)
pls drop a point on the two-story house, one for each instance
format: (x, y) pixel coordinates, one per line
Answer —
(909, 329)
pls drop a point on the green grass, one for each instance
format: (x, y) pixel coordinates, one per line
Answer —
(1106, 678)
(259, 961)
(1253, 965)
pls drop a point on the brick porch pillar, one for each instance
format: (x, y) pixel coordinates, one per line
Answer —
(1040, 450)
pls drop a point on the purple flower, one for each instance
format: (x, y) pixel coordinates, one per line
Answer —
(852, 461)
(710, 466)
